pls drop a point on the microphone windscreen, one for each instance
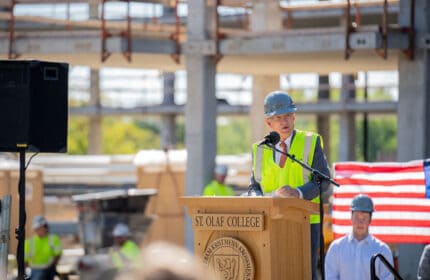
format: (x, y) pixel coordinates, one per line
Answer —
(274, 137)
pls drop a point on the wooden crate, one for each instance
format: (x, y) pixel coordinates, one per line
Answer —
(168, 228)
(168, 224)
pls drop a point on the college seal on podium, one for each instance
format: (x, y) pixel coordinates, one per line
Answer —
(228, 258)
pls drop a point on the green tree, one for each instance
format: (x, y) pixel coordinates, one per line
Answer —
(231, 133)
(127, 136)
(180, 133)
(77, 136)
(120, 135)
(382, 138)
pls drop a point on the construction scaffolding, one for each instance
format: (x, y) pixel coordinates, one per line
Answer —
(174, 28)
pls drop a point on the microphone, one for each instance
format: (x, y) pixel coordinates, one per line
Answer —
(271, 138)
(254, 188)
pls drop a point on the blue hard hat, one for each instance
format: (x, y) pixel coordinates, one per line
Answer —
(278, 103)
(362, 202)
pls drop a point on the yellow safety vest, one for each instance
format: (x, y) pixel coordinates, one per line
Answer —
(40, 252)
(271, 176)
(127, 255)
(217, 189)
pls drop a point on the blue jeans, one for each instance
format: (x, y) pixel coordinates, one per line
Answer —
(315, 245)
(43, 273)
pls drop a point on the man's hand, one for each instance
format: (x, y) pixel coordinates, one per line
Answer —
(287, 191)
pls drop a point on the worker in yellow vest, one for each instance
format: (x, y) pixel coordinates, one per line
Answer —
(277, 174)
(42, 251)
(217, 187)
(124, 252)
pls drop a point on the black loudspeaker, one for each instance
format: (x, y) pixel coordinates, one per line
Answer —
(33, 106)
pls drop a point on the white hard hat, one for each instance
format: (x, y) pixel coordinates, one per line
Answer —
(39, 221)
(121, 230)
(221, 170)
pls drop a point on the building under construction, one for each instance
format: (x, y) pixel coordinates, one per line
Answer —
(263, 39)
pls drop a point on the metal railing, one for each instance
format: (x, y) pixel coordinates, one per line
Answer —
(386, 263)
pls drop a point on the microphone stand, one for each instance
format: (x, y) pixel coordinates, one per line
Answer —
(319, 177)
(20, 231)
(254, 188)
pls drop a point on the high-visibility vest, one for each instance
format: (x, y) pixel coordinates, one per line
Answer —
(271, 176)
(128, 254)
(40, 252)
(217, 189)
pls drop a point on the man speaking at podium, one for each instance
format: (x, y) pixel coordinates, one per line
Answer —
(281, 176)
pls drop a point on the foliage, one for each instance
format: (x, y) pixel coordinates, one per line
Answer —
(373, 94)
(334, 139)
(127, 136)
(382, 138)
(233, 135)
(180, 133)
(120, 135)
(77, 136)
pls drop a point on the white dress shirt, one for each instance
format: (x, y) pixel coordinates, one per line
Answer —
(349, 259)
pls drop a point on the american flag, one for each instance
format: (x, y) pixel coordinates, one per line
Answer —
(400, 193)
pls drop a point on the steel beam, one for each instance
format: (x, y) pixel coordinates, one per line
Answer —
(305, 108)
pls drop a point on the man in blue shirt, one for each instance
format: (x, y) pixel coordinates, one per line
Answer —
(348, 258)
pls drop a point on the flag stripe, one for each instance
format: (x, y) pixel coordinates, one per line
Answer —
(351, 181)
(382, 194)
(399, 191)
(385, 201)
(376, 188)
(377, 177)
(394, 238)
(394, 215)
(387, 230)
(379, 208)
(417, 167)
(388, 222)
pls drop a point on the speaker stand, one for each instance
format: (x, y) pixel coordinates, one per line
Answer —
(20, 231)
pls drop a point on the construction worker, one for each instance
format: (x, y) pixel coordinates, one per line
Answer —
(42, 251)
(217, 186)
(124, 251)
(280, 176)
(349, 257)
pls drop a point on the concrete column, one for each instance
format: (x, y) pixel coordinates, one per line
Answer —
(266, 16)
(347, 121)
(323, 120)
(261, 86)
(200, 110)
(95, 122)
(413, 130)
(168, 139)
(94, 10)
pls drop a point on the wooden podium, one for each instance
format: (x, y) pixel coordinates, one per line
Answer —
(259, 238)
